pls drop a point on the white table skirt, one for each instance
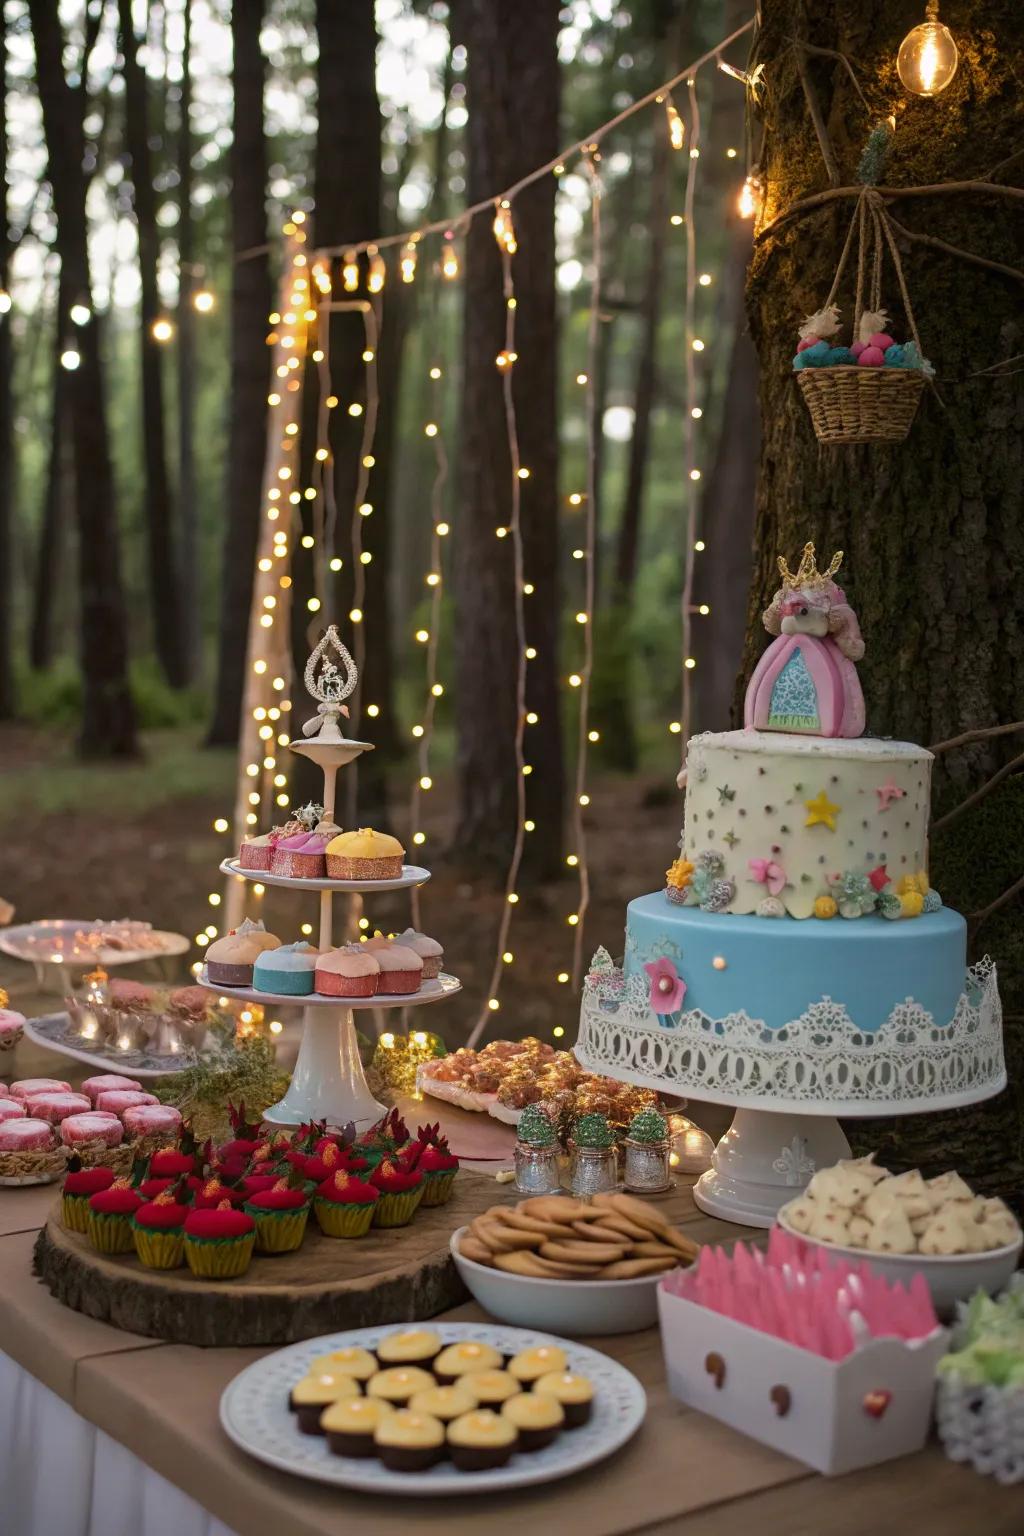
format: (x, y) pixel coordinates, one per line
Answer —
(61, 1476)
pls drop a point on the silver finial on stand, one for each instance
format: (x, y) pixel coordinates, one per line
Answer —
(325, 683)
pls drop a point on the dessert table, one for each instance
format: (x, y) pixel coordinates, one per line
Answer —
(104, 1433)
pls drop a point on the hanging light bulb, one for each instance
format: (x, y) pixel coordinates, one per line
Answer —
(377, 271)
(322, 277)
(408, 262)
(449, 259)
(350, 272)
(928, 56)
(203, 301)
(676, 130)
(161, 330)
(748, 204)
(504, 229)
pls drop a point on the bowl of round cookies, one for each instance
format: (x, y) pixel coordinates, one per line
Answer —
(581, 1267)
(903, 1224)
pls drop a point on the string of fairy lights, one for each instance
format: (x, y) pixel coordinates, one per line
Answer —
(301, 328)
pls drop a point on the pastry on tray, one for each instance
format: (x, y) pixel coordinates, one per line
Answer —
(364, 855)
(230, 960)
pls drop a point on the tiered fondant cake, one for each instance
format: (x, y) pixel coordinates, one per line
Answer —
(798, 955)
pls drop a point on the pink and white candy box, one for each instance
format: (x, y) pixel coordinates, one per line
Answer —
(835, 1416)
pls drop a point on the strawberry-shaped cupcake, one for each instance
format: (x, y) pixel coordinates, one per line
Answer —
(109, 1223)
(344, 1206)
(171, 1163)
(280, 1214)
(150, 1188)
(436, 1161)
(219, 1242)
(245, 1141)
(400, 1194)
(158, 1229)
(79, 1187)
(214, 1192)
(256, 1183)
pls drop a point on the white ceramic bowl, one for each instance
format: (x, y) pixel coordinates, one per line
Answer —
(560, 1306)
(950, 1277)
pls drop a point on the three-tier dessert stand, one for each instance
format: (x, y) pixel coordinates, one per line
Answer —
(328, 1081)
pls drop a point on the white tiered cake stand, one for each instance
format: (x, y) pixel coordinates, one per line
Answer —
(328, 1081)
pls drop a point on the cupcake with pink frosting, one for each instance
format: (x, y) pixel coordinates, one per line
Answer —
(303, 855)
(229, 961)
(401, 969)
(348, 972)
(428, 949)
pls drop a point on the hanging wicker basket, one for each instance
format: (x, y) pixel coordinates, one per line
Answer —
(861, 405)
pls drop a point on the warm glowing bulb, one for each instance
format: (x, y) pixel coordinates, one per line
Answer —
(675, 727)
(449, 261)
(376, 272)
(493, 1004)
(407, 265)
(349, 273)
(70, 359)
(928, 56)
(203, 300)
(161, 330)
(676, 132)
(749, 200)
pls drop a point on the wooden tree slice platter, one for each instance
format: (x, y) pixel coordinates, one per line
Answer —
(392, 1275)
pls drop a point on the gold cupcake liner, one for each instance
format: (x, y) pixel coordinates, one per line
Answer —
(437, 1187)
(110, 1234)
(397, 1210)
(222, 1259)
(280, 1234)
(336, 1220)
(74, 1212)
(159, 1250)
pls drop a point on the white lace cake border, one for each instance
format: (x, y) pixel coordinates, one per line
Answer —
(819, 1063)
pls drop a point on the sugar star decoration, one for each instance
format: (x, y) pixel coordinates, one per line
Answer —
(725, 793)
(730, 839)
(821, 812)
(887, 793)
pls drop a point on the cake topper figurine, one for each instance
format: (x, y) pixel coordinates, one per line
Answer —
(325, 683)
(806, 681)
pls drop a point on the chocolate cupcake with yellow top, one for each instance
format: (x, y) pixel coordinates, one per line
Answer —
(310, 1396)
(481, 1439)
(350, 1425)
(412, 1346)
(444, 1403)
(575, 1393)
(461, 1359)
(397, 1385)
(531, 1364)
(355, 1362)
(490, 1388)
(364, 855)
(537, 1418)
(409, 1442)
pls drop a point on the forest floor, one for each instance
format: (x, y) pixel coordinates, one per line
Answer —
(137, 840)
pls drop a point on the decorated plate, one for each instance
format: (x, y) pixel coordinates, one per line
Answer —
(66, 941)
(432, 991)
(412, 874)
(255, 1415)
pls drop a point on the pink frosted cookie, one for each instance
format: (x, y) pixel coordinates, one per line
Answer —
(12, 1027)
(12, 1109)
(129, 996)
(115, 1100)
(151, 1119)
(109, 1082)
(79, 1129)
(25, 1136)
(350, 972)
(30, 1085)
(55, 1106)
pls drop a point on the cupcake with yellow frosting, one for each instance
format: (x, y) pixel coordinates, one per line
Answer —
(536, 1416)
(364, 855)
(480, 1439)
(409, 1442)
(575, 1393)
(351, 1423)
(313, 1394)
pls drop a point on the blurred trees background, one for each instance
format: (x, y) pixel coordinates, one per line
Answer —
(153, 149)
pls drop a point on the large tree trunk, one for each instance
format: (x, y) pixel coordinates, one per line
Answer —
(247, 426)
(934, 527)
(108, 716)
(512, 61)
(164, 589)
(191, 582)
(7, 701)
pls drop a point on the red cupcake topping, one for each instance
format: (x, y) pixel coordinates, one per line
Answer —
(434, 1160)
(214, 1193)
(256, 1183)
(149, 1189)
(119, 1200)
(169, 1163)
(220, 1222)
(391, 1180)
(88, 1181)
(278, 1199)
(341, 1189)
(162, 1214)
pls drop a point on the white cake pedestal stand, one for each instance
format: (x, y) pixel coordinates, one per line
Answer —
(764, 1160)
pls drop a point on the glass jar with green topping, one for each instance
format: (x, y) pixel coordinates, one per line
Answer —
(595, 1162)
(536, 1154)
(648, 1149)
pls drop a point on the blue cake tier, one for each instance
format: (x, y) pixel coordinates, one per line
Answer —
(857, 1016)
(775, 968)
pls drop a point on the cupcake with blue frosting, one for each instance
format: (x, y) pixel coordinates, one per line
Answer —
(287, 971)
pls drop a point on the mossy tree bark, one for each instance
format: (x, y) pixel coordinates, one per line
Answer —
(933, 527)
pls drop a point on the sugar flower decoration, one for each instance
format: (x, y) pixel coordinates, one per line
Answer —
(767, 872)
(679, 874)
(667, 986)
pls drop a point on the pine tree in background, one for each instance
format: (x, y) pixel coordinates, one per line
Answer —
(249, 366)
(108, 716)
